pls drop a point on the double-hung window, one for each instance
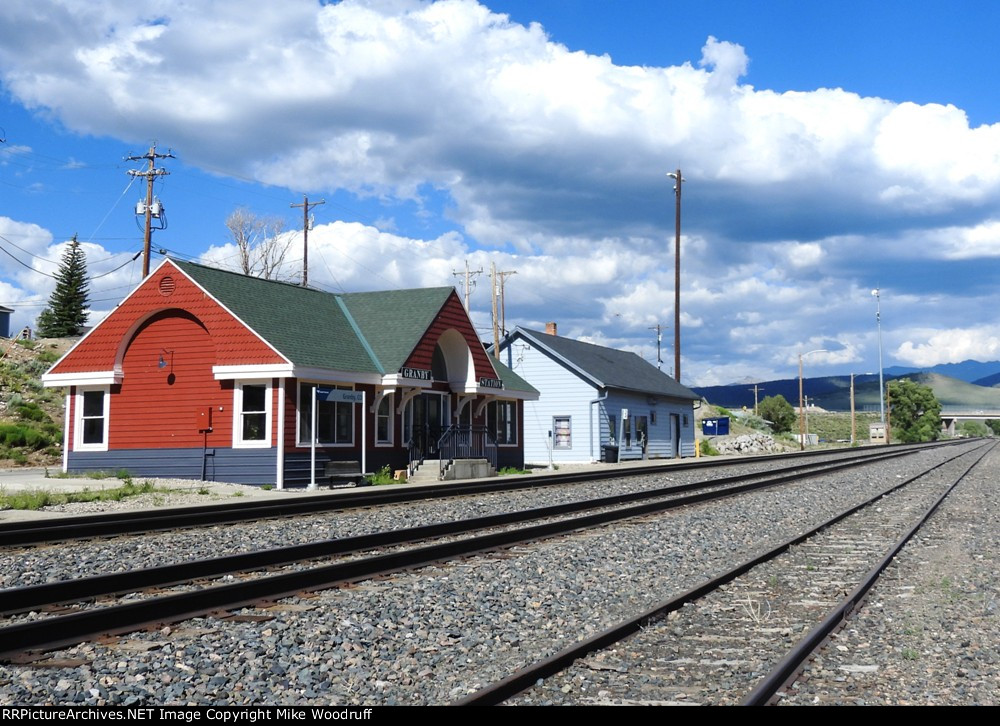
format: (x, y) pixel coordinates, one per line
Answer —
(252, 425)
(92, 419)
(383, 420)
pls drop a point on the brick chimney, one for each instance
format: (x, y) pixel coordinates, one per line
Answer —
(551, 328)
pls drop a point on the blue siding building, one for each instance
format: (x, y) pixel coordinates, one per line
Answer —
(592, 398)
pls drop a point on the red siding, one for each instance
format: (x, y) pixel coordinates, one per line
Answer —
(452, 315)
(234, 343)
(156, 407)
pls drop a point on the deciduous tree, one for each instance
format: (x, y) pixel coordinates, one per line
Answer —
(66, 314)
(914, 411)
(778, 411)
(260, 243)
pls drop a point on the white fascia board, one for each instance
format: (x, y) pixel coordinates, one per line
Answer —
(496, 392)
(396, 380)
(265, 370)
(90, 378)
(325, 374)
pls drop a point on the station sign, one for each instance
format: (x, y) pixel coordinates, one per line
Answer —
(417, 373)
(490, 383)
(337, 395)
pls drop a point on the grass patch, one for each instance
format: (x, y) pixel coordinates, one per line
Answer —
(237, 494)
(265, 487)
(707, 449)
(37, 499)
(511, 471)
(381, 477)
(910, 654)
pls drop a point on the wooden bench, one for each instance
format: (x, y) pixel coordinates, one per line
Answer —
(346, 473)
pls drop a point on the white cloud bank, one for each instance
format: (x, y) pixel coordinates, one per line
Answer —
(554, 153)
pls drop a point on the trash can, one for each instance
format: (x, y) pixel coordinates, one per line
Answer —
(609, 454)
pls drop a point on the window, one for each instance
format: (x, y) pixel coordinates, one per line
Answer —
(335, 421)
(501, 420)
(612, 428)
(627, 430)
(92, 420)
(252, 427)
(383, 420)
(561, 433)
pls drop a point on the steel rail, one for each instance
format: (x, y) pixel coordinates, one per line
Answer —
(495, 693)
(32, 597)
(791, 665)
(20, 533)
(63, 630)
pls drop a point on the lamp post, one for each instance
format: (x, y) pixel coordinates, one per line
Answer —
(878, 324)
(802, 411)
(678, 179)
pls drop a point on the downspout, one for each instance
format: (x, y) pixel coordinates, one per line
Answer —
(596, 400)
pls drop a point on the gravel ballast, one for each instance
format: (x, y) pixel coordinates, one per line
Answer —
(436, 634)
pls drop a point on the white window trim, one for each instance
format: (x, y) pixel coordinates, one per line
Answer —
(299, 442)
(556, 447)
(238, 442)
(392, 423)
(78, 444)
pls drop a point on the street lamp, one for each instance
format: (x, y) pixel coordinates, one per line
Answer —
(678, 179)
(802, 411)
(878, 323)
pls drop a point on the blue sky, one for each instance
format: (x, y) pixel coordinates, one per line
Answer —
(828, 148)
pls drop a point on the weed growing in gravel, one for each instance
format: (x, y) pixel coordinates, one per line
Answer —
(910, 654)
(37, 499)
(203, 490)
(754, 610)
(237, 494)
(382, 476)
(511, 470)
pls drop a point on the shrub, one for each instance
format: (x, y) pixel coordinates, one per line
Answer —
(707, 449)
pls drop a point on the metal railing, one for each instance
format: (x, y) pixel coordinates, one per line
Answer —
(466, 442)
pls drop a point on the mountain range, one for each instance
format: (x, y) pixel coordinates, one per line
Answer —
(967, 385)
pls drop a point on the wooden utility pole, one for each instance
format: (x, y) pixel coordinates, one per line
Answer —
(504, 274)
(496, 322)
(306, 204)
(756, 388)
(469, 281)
(854, 423)
(150, 173)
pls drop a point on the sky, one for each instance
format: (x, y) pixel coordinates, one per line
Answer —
(827, 149)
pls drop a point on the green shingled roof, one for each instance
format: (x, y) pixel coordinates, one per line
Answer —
(307, 326)
(394, 321)
(366, 331)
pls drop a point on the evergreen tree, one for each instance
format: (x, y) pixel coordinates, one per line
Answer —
(66, 313)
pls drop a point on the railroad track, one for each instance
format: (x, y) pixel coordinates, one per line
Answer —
(211, 597)
(742, 635)
(14, 534)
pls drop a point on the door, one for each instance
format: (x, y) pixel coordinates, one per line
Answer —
(675, 435)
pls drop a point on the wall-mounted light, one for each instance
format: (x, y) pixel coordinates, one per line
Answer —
(162, 362)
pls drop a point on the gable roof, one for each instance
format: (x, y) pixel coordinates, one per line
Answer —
(607, 367)
(394, 321)
(364, 331)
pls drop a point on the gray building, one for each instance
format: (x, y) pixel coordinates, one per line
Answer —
(592, 397)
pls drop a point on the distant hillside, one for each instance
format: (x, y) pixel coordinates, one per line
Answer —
(989, 381)
(31, 416)
(953, 393)
(970, 371)
(833, 392)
